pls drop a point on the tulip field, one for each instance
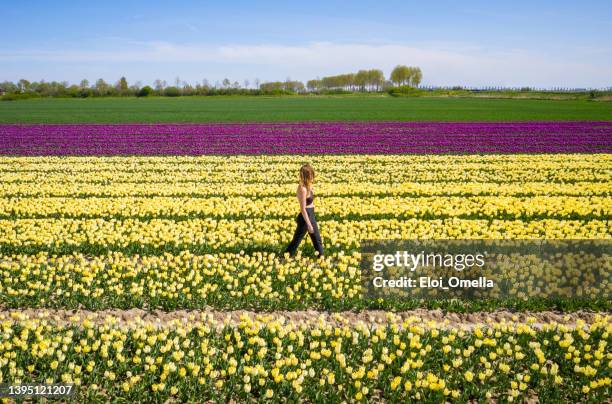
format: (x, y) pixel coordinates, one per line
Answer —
(101, 221)
(306, 138)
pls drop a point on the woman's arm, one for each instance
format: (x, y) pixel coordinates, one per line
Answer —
(301, 195)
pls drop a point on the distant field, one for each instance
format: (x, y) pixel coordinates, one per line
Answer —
(262, 109)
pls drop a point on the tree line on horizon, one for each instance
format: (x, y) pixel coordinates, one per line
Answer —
(362, 81)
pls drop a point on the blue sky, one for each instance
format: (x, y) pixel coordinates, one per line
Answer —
(513, 43)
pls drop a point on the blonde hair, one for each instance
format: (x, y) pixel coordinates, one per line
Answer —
(306, 176)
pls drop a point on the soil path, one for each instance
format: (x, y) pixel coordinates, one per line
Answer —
(422, 317)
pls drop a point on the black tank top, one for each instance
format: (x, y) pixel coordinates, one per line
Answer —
(310, 199)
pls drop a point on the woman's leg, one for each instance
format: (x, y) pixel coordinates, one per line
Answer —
(299, 234)
(315, 236)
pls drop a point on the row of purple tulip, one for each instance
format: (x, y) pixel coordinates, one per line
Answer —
(307, 138)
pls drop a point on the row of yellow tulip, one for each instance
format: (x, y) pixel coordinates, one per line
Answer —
(266, 359)
(331, 207)
(363, 188)
(229, 204)
(262, 280)
(215, 235)
(281, 174)
(267, 169)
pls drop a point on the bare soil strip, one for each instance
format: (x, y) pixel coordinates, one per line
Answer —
(422, 317)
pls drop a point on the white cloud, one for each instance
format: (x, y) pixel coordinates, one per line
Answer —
(442, 64)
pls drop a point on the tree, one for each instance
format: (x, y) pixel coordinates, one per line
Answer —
(135, 88)
(416, 77)
(83, 89)
(376, 78)
(406, 75)
(7, 87)
(314, 85)
(272, 86)
(159, 86)
(172, 92)
(75, 91)
(101, 87)
(145, 91)
(187, 89)
(123, 86)
(361, 79)
(23, 85)
(288, 86)
(400, 74)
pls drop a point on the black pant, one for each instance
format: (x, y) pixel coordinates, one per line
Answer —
(301, 231)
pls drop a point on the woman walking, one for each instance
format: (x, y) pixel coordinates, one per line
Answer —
(306, 221)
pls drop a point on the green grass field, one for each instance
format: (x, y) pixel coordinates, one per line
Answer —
(298, 108)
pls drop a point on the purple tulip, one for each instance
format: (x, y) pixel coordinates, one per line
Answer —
(307, 138)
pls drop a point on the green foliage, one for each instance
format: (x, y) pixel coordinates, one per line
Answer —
(172, 92)
(7, 87)
(406, 75)
(405, 91)
(145, 91)
(363, 80)
(123, 85)
(281, 87)
(10, 97)
(335, 91)
(85, 92)
(18, 96)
